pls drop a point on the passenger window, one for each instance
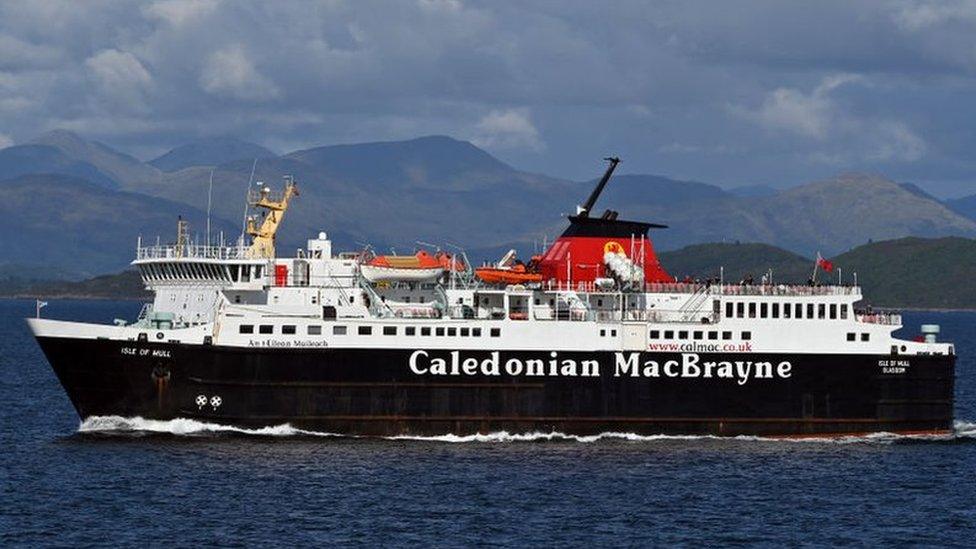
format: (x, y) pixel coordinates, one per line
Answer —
(865, 337)
(822, 311)
(763, 310)
(668, 334)
(247, 329)
(314, 330)
(683, 334)
(798, 311)
(740, 310)
(833, 311)
(476, 332)
(726, 335)
(712, 335)
(365, 330)
(410, 330)
(288, 329)
(452, 332)
(752, 310)
(787, 308)
(439, 332)
(775, 310)
(266, 329)
(746, 336)
(843, 311)
(465, 332)
(698, 335)
(729, 308)
(603, 333)
(496, 332)
(655, 334)
(810, 311)
(851, 336)
(389, 330)
(425, 331)
(339, 330)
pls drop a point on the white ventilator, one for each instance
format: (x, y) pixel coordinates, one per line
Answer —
(622, 266)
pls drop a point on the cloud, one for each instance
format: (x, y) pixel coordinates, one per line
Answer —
(507, 129)
(807, 114)
(229, 72)
(179, 12)
(920, 15)
(120, 76)
(5, 141)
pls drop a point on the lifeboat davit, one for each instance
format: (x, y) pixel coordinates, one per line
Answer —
(420, 267)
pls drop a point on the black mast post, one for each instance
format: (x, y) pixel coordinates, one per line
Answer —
(588, 205)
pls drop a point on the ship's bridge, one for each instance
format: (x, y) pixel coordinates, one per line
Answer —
(191, 264)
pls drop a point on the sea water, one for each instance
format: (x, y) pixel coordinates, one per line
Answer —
(131, 481)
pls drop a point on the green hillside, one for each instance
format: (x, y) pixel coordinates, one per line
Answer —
(124, 285)
(916, 272)
(738, 260)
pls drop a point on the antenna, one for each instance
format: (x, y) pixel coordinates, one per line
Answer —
(209, 204)
(246, 205)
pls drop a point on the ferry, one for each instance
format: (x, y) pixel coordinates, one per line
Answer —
(599, 339)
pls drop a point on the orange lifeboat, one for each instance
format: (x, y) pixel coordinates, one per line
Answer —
(420, 267)
(510, 271)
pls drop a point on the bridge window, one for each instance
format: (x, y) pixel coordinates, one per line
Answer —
(246, 329)
(266, 329)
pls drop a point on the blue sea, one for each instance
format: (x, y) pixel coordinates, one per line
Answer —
(138, 483)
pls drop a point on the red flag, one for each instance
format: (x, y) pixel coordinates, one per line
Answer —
(827, 266)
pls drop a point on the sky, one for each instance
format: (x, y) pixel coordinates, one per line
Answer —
(732, 93)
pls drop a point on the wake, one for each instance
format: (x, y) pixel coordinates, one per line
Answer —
(116, 425)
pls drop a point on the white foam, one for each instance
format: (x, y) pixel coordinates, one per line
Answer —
(183, 426)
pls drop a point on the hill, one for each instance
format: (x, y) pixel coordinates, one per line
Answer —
(209, 152)
(121, 167)
(34, 159)
(965, 206)
(737, 261)
(916, 272)
(124, 285)
(74, 226)
(444, 190)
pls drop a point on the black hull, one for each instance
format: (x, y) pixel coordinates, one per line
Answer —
(375, 392)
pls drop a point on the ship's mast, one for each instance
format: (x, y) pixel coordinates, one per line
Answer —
(263, 237)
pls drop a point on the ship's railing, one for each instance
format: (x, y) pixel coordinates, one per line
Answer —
(711, 289)
(887, 319)
(191, 251)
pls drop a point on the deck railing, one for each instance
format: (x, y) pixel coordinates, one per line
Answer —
(191, 251)
(711, 289)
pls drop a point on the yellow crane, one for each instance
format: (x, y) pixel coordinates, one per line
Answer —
(263, 237)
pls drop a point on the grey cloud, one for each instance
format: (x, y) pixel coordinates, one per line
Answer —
(731, 93)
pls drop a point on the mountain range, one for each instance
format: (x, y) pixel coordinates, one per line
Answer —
(77, 206)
